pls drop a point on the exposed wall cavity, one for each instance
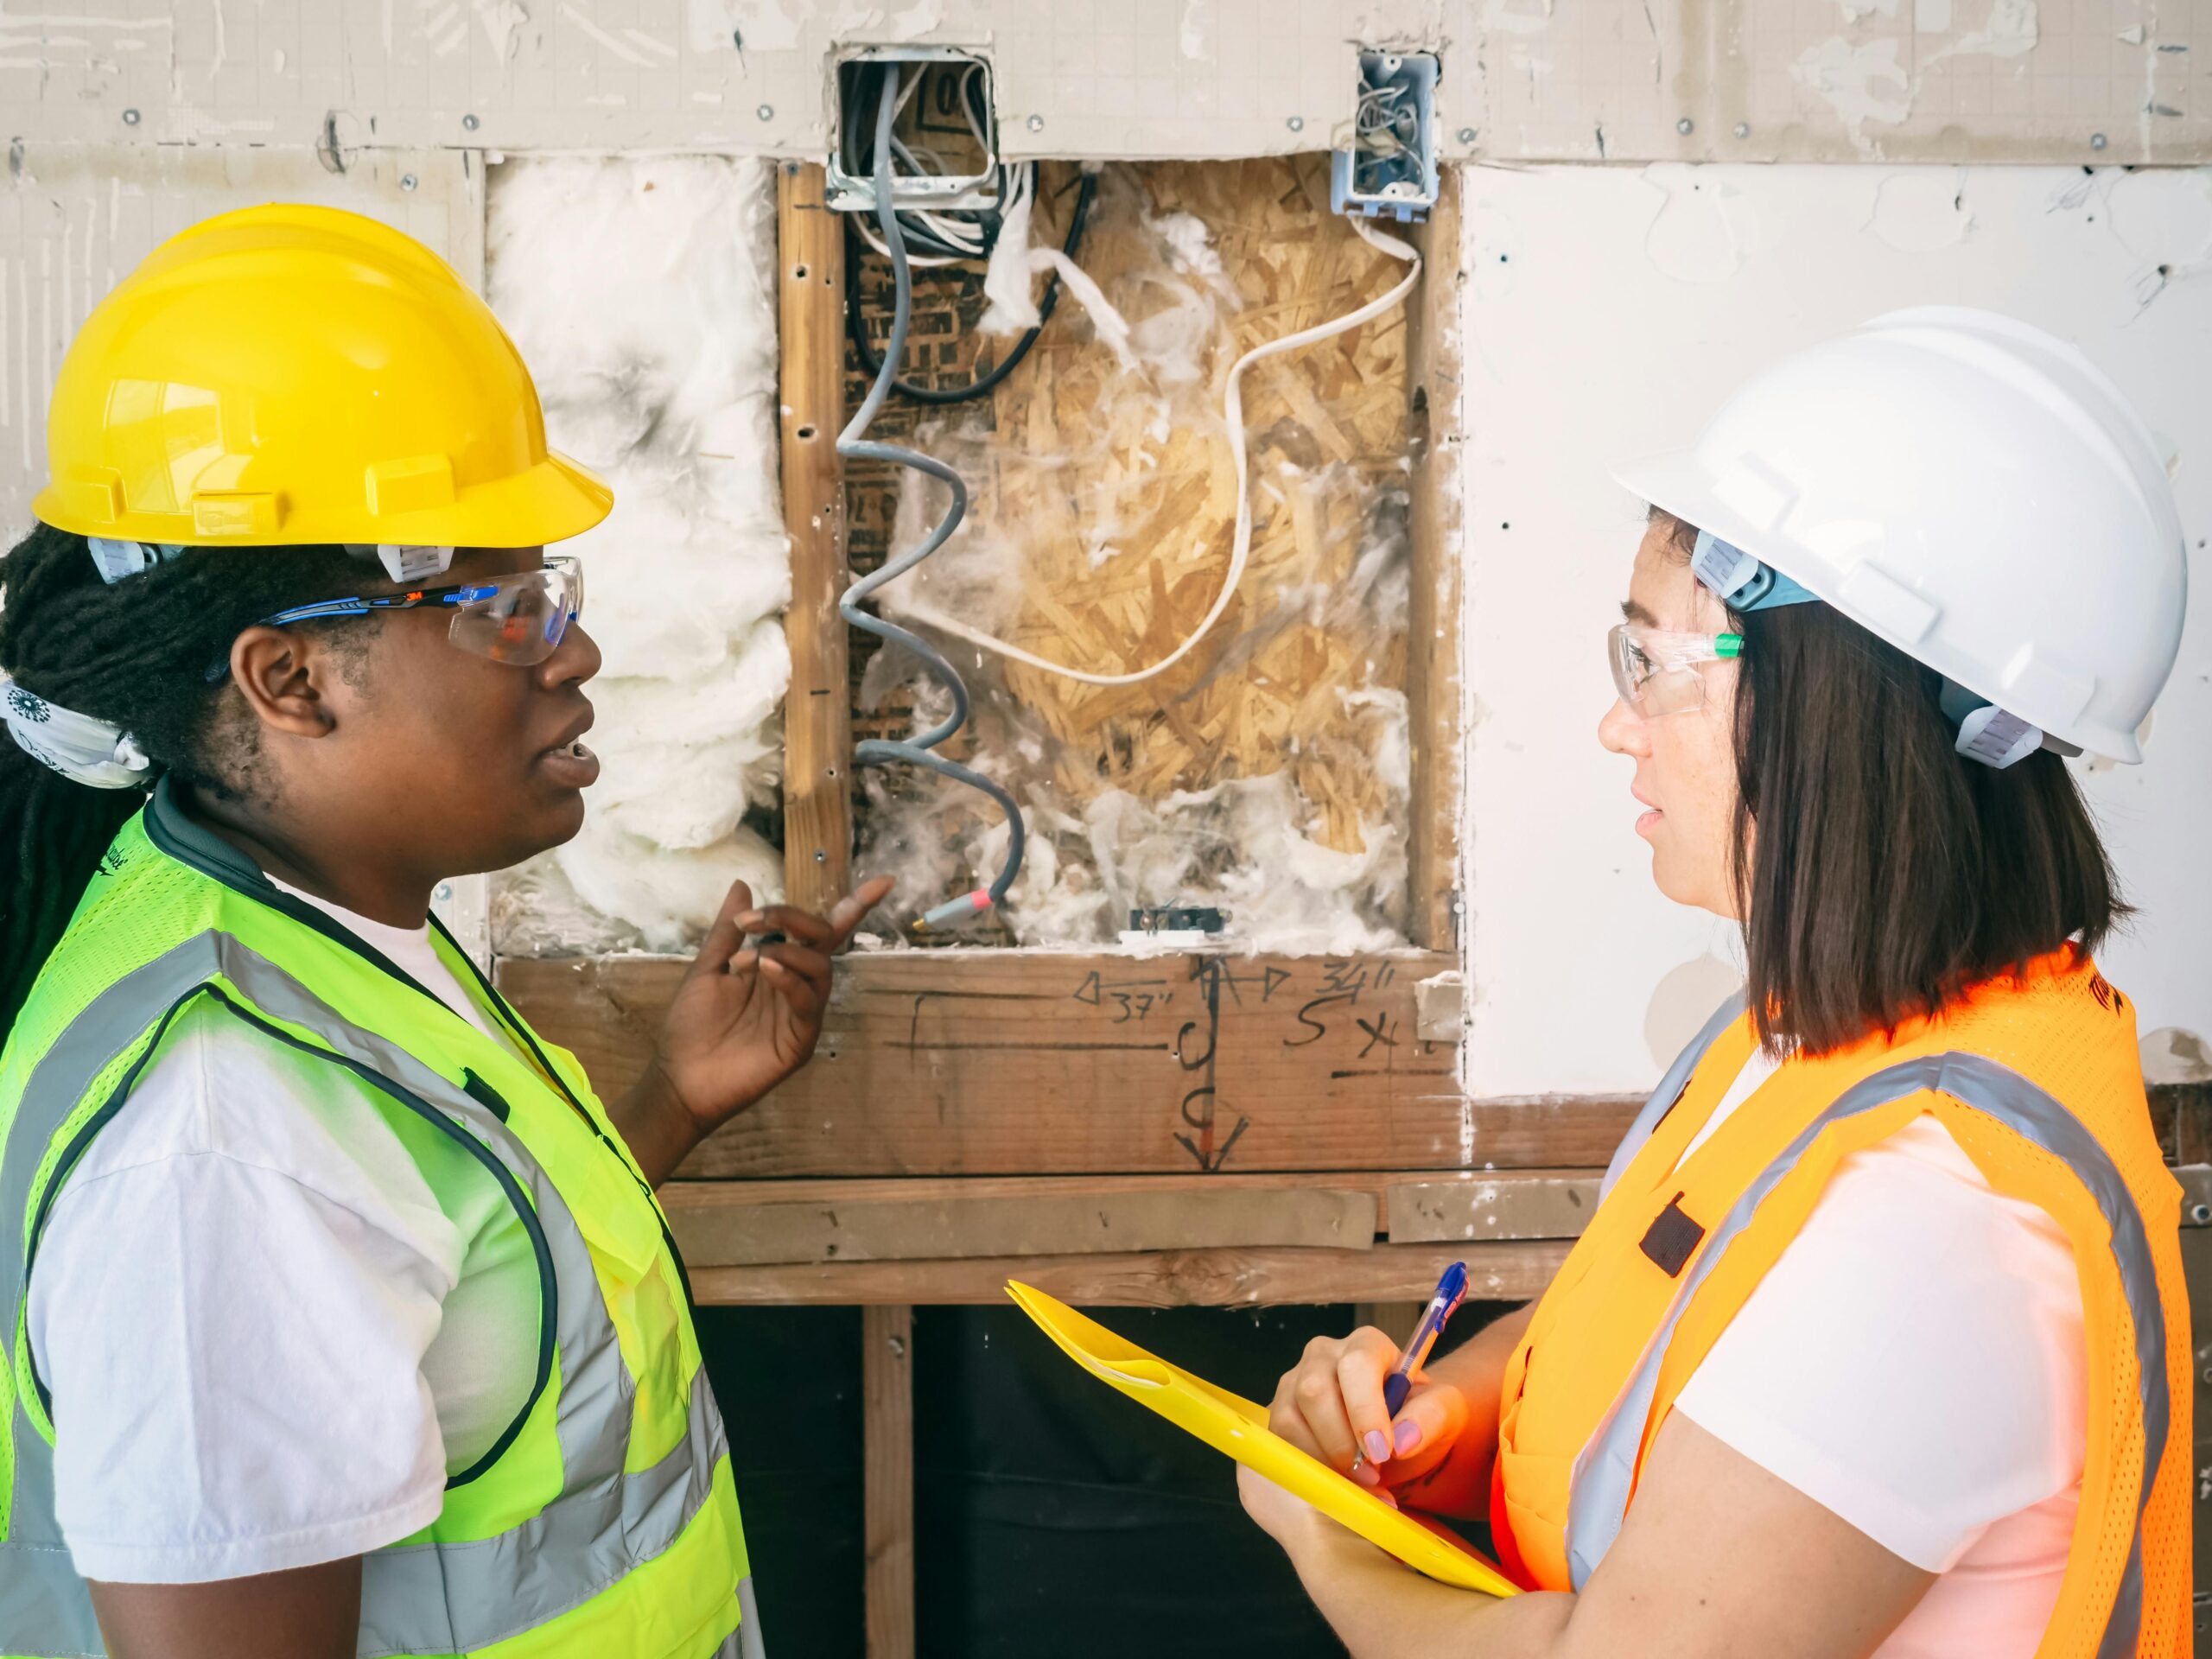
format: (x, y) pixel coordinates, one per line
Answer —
(641, 292)
(1267, 774)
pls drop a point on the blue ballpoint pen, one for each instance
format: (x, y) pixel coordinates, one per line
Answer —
(1450, 1291)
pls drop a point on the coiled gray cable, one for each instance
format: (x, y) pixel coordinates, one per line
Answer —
(854, 445)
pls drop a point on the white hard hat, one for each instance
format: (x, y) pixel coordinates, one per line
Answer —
(1972, 490)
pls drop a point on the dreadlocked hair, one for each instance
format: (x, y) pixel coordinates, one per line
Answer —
(138, 654)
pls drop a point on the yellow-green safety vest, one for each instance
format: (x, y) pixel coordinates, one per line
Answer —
(602, 1521)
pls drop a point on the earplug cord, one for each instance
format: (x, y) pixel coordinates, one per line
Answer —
(854, 445)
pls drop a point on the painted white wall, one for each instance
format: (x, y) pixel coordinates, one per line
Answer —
(1607, 312)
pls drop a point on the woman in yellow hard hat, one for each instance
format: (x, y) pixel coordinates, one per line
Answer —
(343, 1318)
(1877, 1343)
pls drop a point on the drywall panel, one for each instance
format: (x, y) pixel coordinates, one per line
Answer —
(1607, 312)
(74, 219)
(1596, 79)
(1809, 80)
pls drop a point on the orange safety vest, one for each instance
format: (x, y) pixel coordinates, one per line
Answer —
(2038, 1079)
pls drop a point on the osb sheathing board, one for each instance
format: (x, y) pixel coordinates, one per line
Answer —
(1104, 495)
(1534, 80)
(1251, 700)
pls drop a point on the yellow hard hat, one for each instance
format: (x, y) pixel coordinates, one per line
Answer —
(293, 375)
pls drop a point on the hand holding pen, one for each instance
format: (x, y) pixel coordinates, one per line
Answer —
(1450, 1291)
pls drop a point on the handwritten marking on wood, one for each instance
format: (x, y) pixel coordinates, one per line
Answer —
(1003, 1062)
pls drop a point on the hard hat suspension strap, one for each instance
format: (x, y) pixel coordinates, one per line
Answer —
(1741, 580)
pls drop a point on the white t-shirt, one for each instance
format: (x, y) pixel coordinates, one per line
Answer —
(1914, 1362)
(266, 1343)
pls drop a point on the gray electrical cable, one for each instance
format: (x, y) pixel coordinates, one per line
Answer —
(854, 444)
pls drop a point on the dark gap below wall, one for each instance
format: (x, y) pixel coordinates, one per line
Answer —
(1053, 1516)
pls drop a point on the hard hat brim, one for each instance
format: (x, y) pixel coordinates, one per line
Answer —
(551, 501)
(554, 500)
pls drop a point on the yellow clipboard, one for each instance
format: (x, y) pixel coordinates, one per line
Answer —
(1239, 1427)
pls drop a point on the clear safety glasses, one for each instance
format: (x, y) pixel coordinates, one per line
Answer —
(517, 620)
(1657, 673)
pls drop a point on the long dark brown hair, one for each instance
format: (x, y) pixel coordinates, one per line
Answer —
(1887, 872)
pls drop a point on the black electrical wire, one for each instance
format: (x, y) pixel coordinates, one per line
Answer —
(856, 328)
(854, 443)
(921, 237)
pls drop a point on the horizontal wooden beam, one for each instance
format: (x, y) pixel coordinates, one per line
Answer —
(972, 1062)
(1234, 1278)
(763, 1223)
(729, 1222)
(982, 1062)
(1508, 1204)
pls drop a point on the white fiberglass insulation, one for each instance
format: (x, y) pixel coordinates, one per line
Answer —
(641, 292)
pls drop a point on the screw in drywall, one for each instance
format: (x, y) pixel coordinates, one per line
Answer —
(2096, 140)
(130, 117)
(1036, 124)
(1467, 135)
(445, 890)
(1742, 129)
(468, 124)
(1686, 126)
(407, 181)
(766, 112)
(1296, 124)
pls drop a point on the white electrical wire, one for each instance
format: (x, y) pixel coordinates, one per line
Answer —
(916, 259)
(950, 228)
(1240, 546)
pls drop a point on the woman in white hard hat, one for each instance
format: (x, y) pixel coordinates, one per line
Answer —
(1876, 1344)
(342, 1317)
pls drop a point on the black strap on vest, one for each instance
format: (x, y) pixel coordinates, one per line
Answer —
(1671, 1238)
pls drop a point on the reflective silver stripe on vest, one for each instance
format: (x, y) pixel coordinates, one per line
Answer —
(1669, 1091)
(437, 1598)
(456, 1598)
(746, 1637)
(1603, 1473)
